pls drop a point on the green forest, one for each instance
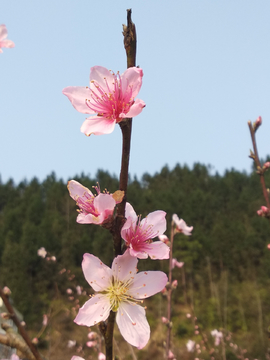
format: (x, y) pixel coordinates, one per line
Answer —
(225, 281)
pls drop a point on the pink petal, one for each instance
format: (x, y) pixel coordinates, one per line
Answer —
(140, 254)
(124, 266)
(157, 219)
(97, 74)
(133, 325)
(135, 109)
(97, 274)
(93, 311)
(147, 283)
(175, 219)
(130, 212)
(164, 238)
(77, 96)
(77, 190)
(158, 250)
(7, 44)
(105, 204)
(132, 77)
(98, 125)
(3, 32)
(76, 358)
(83, 218)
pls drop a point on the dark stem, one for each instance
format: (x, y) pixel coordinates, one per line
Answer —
(169, 294)
(109, 336)
(19, 326)
(258, 164)
(129, 33)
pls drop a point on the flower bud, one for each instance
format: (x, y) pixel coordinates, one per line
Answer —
(174, 284)
(6, 291)
(257, 123)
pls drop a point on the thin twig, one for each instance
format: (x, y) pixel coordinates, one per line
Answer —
(21, 329)
(255, 157)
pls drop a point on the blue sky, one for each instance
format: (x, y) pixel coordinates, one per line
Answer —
(206, 73)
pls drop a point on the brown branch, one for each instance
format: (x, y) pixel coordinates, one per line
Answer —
(19, 326)
(14, 340)
(129, 33)
(169, 293)
(255, 157)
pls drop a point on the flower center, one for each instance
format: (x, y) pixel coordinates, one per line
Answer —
(111, 101)
(118, 292)
(140, 234)
(86, 205)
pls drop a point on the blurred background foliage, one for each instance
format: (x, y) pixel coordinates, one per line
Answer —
(224, 282)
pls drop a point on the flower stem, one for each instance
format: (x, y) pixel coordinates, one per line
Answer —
(19, 326)
(126, 127)
(258, 164)
(109, 336)
(169, 294)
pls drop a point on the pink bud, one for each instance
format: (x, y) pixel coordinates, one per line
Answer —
(62, 271)
(92, 335)
(101, 356)
(35, 340)
(53, 258)
(164, 320)
(23, 323)
(170, 355)
(69, 291)
(6, 290)
(264, 209)
(91, 343)
(79, 290)
(5, 315)
(45, 320)
(268, 246)
(164, 291)
(174, 284)
(258, 122)
(260, 212)
(188, 315)
(42, 252)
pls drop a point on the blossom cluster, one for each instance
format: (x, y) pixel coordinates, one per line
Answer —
(110, 99)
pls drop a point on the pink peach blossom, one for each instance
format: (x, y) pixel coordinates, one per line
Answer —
(101, 356)
(110, 96)
(138, 234)
(263, 211)
(42, 252)
(176, 263)
(3, 35)
(71, 343)
(120, 289)
(181, 225)
(93, 209)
